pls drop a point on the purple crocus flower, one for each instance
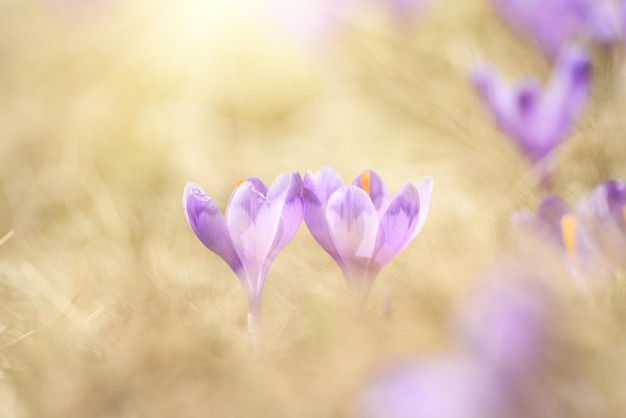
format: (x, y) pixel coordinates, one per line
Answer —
(602, 217)
(360, 225)
(503, 350)
(538, 121)
(553, 222)
(259, 222)
(553, 23)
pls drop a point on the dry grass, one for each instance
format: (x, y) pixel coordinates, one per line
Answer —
(110, 307)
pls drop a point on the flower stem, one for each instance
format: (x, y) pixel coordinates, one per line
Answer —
(253, 330)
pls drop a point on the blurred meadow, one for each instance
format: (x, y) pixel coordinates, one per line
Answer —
(111, 307)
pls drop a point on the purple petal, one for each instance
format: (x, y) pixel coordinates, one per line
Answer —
(528, 97)
(253, 225)
(550, 23)
(377, 190)
(568, 91)
(397, 225)
(286, 194)
(604, 21)
(317, 189)
(497, 96)
(614, 194)
(550, 214)
(208, 224)
(256, 183)
(353, 225)
(322, 184)
(603, 224)
(425, 189)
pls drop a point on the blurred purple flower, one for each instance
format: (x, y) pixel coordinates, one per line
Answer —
(360, 225)
(504, 344)
(602, 216)
(538, 121)
(258, 224)
(503, 325)
(450, 386)
(554, 222)
(553, 23)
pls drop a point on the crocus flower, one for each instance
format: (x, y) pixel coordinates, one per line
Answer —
(553, 223)
(538, 121)
(360, 225)
(602, 217)
(553, 23)
(259, 222)
(502, 353)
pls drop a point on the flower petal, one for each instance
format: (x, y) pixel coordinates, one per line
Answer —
(602, 222)
(353, 224)
(323, 183)
(208, 224)
(317, 189)
(256, 183)
(528, 96)
(549, 23)
(285, 196)
(498, 96)
(615, 196)
(252, 224)
(376, 189)
(568, 91)
(397, 225)
(425, 189)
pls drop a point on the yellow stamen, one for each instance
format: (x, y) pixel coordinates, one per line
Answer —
(568, 233)
(365, 181)
(238, 182)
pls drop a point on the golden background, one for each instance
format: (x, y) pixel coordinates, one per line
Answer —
(110, 306)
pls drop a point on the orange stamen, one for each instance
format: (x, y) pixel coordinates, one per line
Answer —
(568, 233)
(238, 182)
(365, 181)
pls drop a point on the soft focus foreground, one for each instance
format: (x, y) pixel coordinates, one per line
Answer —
(109, 305)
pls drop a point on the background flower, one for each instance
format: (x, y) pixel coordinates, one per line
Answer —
(538, 121)
(553, 23)
(603, 222)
